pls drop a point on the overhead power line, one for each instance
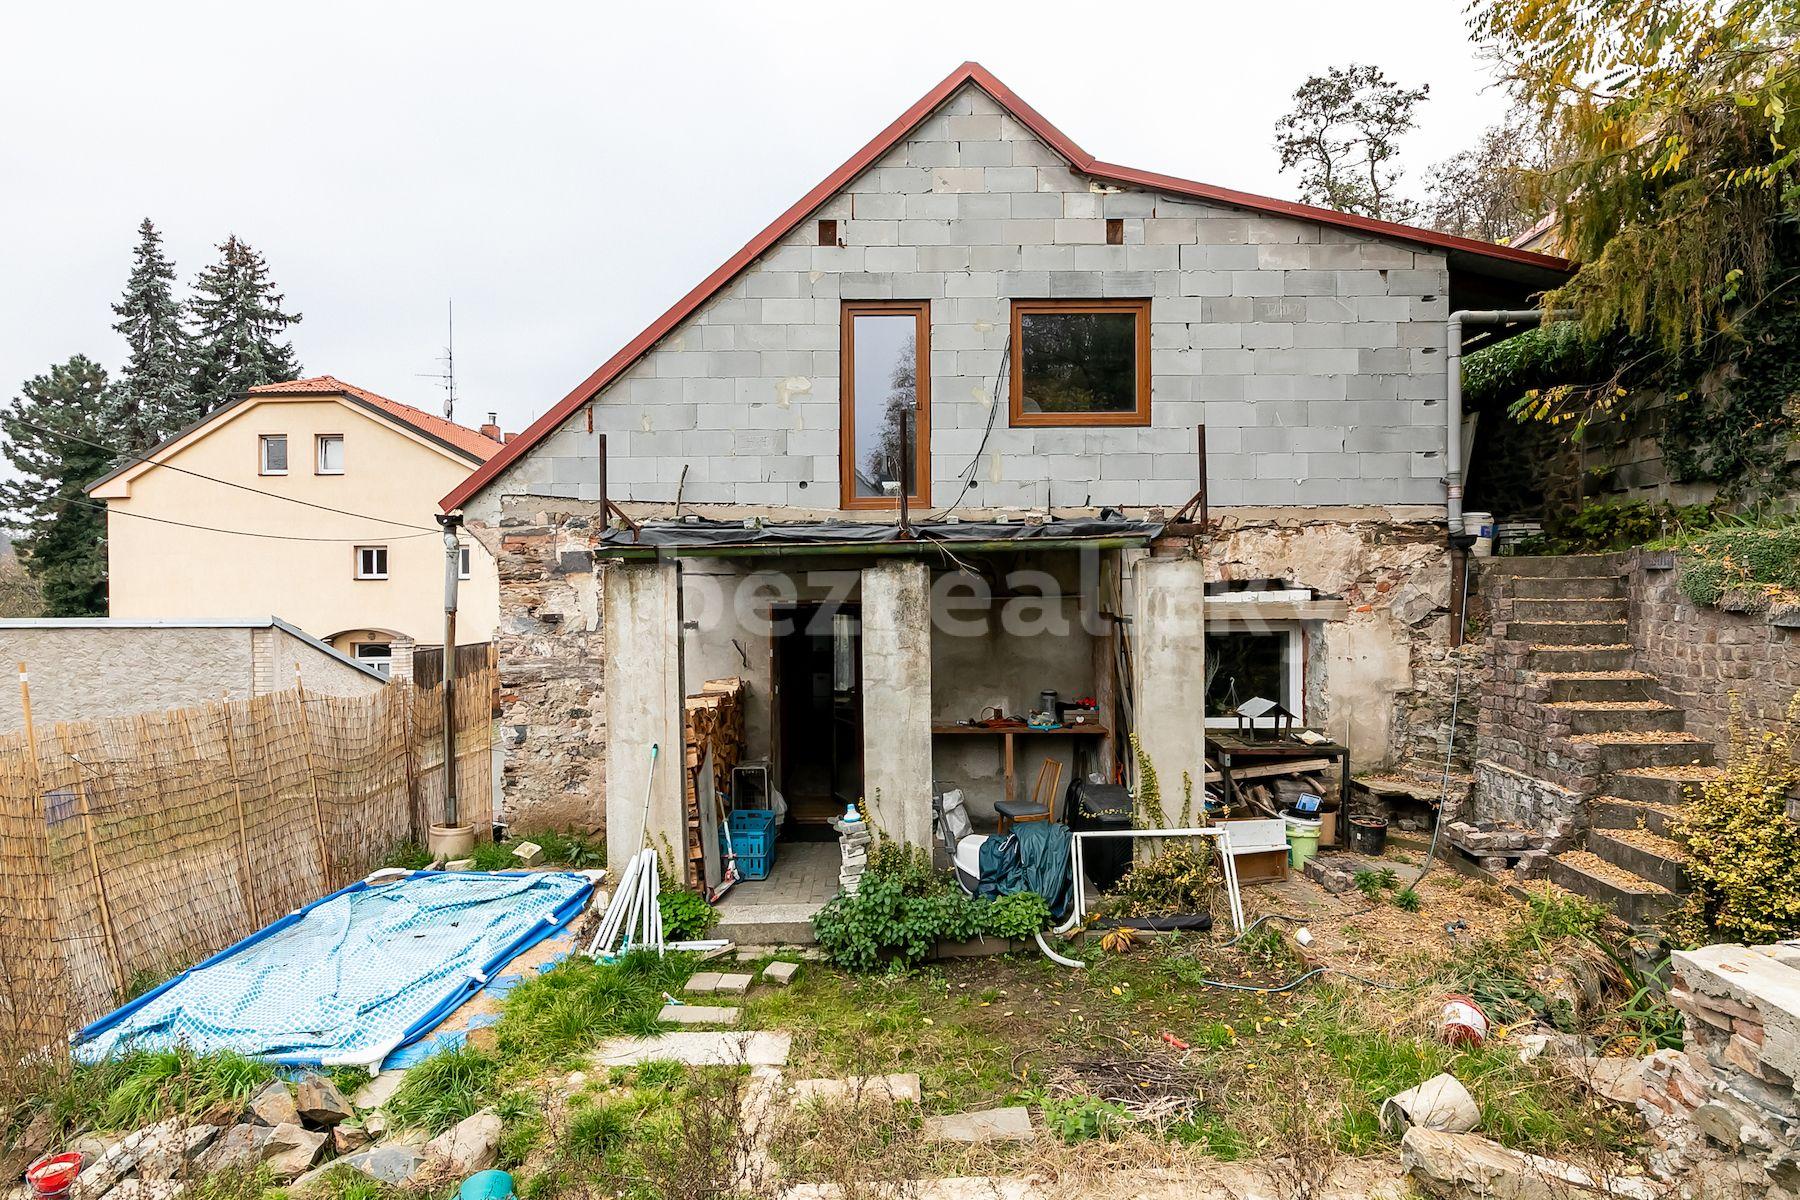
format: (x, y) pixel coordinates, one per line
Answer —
(242, 487)
(281, 537)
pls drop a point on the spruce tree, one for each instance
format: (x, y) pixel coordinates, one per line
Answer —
(63, 532)
(151, 398)
(237, 324)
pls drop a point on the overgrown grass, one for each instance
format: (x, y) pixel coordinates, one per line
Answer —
(140, 1088)
(550, 1021)
(573, 850)
(1746, 564)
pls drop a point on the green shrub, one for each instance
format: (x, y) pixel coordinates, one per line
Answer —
(686, 915)
(1755, 562)
(1407, 900)
(1743, 852)
(1606, 526)
(904, 906)
(1084, 1118)
(1178, 880)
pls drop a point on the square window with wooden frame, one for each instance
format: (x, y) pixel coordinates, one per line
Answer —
(329, 456)
(371, 562)
(884, 428)
(1080, 362)
(271, 454)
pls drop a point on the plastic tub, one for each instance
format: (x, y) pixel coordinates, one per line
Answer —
(1368, 835)
(1302, 839)
(1482, 526)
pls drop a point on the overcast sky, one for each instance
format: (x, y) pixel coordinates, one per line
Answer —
(565, 172)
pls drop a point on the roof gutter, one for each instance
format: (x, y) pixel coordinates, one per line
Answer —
(1453, 415)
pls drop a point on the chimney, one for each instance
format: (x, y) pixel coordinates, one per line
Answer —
(491, 431)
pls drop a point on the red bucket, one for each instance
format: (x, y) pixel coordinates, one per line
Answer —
(1465, 1023)
(53, 1175)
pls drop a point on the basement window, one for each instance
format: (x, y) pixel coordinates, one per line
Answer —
(1242, 664)
(885, 399)
(371, 562)
(1080, 362)
(271, 451)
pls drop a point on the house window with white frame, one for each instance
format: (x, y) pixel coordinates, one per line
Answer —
(462, 561)
(271, 454)
(371, 562)
(1245, 661)
(330, 454)
(379, 655)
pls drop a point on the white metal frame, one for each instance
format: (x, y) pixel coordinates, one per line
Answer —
(1227, 865)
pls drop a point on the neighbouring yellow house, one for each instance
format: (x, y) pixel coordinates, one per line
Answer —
(313, 501)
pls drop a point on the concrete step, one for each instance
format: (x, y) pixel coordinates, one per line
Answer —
(1637, 900)
(1590, 686)
(1620, 716)
(1655, 787)
(1621, 751)
(1646, 855)
(1568, 587)
(1561, 566)
(1567, 633)
(1611, 812)
(1567, 609)
(1613, 657)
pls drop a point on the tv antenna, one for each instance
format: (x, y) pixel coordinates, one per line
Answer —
(447, 377)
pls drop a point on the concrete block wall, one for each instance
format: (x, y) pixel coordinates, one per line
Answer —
(1313, 355)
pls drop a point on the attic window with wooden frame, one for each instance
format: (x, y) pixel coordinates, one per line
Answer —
(1080, 362)
(885, 398)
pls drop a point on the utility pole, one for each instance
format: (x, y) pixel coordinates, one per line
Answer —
(452, 564)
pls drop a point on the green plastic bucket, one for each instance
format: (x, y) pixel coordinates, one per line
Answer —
(1302, 839)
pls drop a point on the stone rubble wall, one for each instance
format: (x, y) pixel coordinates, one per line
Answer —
(1703, 656)
(551, 646)
(1734, 1083)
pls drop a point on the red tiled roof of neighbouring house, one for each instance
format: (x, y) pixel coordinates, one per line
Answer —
(1079, 160)
(461, 437)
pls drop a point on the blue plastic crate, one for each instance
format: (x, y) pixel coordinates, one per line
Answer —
(752, 833)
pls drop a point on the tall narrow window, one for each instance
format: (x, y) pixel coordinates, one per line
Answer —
(331, 454)
(885, 393)
(371, 562)
(1081, 362)
(271, 449)
(462, 562)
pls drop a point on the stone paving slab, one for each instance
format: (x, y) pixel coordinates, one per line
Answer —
(696, 1049)
(903, 1088)
(735, 983)
(990, 1125)
(697, 1014)
(780, 973)
(702, 983)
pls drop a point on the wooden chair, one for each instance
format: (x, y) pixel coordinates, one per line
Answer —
(1041, 806)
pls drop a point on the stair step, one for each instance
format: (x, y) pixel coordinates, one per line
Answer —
(1567, 633)
(1667, 786)
(1620, 716)
(1615, 656)
(1561, 566)
(1570, 587)
(1620, 751)
(1563, 608)
(1647, 855)
(1580, 686)
(1612, 812)
(1636, 899)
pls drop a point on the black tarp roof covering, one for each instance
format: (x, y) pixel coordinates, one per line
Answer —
(855, 533)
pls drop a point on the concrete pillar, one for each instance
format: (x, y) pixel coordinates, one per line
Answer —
(1168, 633)
(896, 691)
(642, 614)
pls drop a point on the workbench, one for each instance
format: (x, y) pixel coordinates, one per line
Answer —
(1006, 731)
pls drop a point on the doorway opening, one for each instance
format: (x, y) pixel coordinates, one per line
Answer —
(816, 661)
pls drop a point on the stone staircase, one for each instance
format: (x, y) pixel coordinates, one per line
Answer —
(1585, 719)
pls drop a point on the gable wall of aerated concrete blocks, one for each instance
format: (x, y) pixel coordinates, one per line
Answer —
(1312, 355)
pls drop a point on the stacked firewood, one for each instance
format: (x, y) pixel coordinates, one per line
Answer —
(715, 721)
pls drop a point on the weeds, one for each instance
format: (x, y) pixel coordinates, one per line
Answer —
(1407, 900)
(1371, 883)
(551, 1019)
(444, 1089)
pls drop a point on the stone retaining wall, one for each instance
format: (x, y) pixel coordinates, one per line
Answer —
(1705, 655)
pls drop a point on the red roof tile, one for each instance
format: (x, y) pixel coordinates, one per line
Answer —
(431, 425)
